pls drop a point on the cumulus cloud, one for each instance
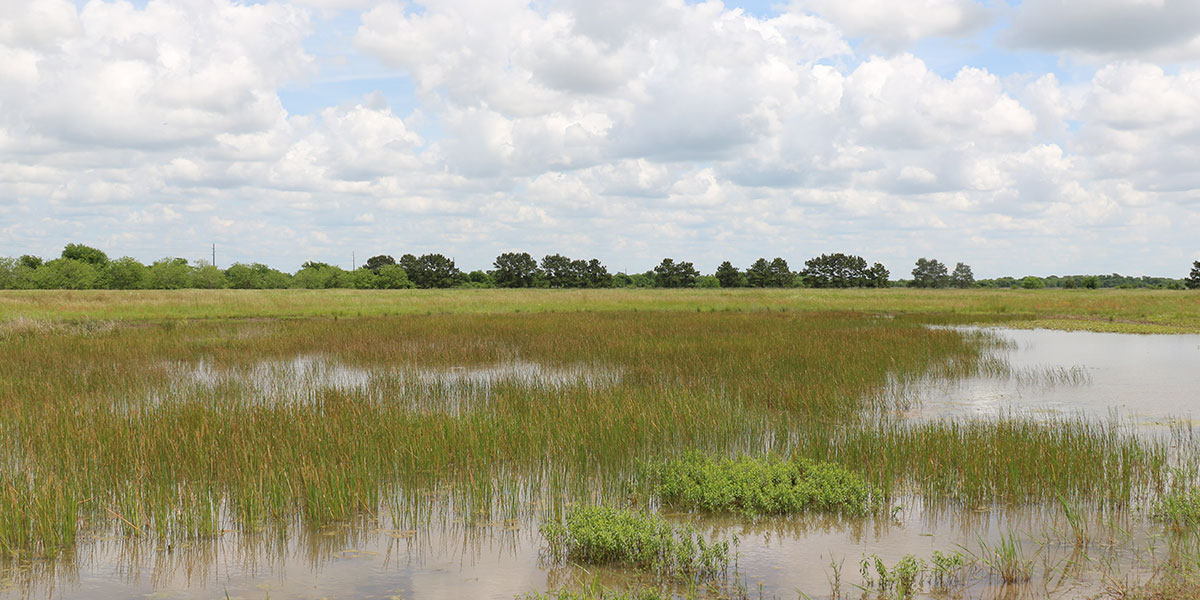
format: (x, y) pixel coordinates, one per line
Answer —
(892, 25)
(1103, 30)
(624, 130)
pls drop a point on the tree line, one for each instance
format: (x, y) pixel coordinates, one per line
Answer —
(84, 267)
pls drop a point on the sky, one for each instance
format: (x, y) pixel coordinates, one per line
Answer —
(1019, 137)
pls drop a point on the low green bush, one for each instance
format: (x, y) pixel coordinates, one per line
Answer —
(769, 485)
(601, 535)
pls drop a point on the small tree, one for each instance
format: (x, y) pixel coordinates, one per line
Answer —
(126, 273)
(375, 262)
(929, 273)
(759, 273)
(66, 273)
(595, 275)
(729, 276)
(1032, 282)
(670, 274)
(962, 277)
(781, 274)
(878, 276)
(515, 270)
(86, 254)
(393, 277)
(1193, 280)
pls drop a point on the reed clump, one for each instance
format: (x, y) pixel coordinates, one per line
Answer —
(762, 486)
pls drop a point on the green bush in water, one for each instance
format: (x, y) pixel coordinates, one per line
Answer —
(601, 535)
(756, 486)
(1180, 509)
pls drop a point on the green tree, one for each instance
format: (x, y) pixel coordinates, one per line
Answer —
(126, 273)
(170, 274)
(708, 281)
(877, 276)
(393, 277)
(66, 274)
(837, 271)
(362, 278)
(15, 275)
(515, 270)
(206, 276)
(86, 254)
(1193, 279)
(1091, 282)
(671, 274)
(729, 276)
(930, 274)
(759, 273)
(1031, 282)
(595, 275)
(376, 262)
(430, 270)
(780, 274)
(962, 277)
(318, 275)
(560, 271)
(30, 261)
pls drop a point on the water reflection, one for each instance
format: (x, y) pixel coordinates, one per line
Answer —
(1151, 381)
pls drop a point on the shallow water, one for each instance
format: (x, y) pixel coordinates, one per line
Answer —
(1148, 380)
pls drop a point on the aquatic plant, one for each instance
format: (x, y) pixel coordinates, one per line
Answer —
(602, 535)
(766, 485)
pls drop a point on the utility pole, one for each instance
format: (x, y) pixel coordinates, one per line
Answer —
(214, 262)
(353, 262)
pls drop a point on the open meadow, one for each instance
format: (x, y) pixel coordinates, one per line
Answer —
(155, 437)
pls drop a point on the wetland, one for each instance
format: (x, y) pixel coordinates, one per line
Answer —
(430, 450)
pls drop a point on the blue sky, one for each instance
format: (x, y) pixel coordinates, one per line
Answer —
(1047, 136)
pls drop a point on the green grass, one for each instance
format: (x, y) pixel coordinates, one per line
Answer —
(1179, 509)
(1135, 311)
(757, 486)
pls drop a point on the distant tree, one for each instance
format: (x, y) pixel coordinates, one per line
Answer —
(86, 254)
(482, 279)
(515, 270)
(708, 281)
(126, 273)
(1070, 283)
(877, 276)
(1091, 282)
(729, 276)
(1193, 279)
(376, 262)
(66, 273)
(962, 277)
(622, 280)
(206, 276)
(30, 261)
(430, 270)
(759, 273)
(1031, 282)
(393, 277)
(560, 271)
(595, 275)
(362, 278)
(780, 273)
(170, 274)
(315, 275)
(836, 271)
(670, 274)
(256, 276)
(929, 274)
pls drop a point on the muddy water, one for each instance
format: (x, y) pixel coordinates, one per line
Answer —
(1146, 379)
(1149, 380)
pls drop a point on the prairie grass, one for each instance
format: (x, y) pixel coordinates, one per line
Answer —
(1130, 311)
(142, 421)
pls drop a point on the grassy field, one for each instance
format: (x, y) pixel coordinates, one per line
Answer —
(174, 415)
(1137, 311)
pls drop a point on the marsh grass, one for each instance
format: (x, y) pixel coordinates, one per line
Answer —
(102, 429)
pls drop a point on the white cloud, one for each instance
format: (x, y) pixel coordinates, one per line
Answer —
(1104, 30)
(892, 25)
